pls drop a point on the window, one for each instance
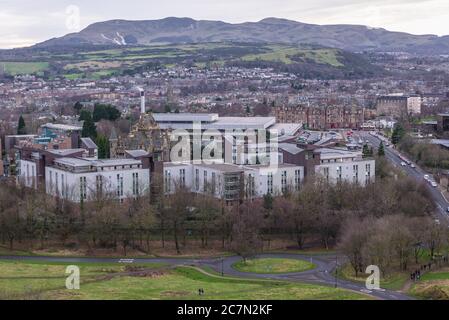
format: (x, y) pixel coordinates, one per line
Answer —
(251, 186)
(99, 184)
(62, 186)
(284, 181)
(205, 181)
(355, 169)
(197, 179)
(270, 183)
(57, 183)
(182, 177)
(119, 186)
(51, 182)
(32, 176)
(326, 173)
(213, 184)
(368, 174)
(135, 184)
(83, 188)
(167, 182)
(297, 179)
(339, 171)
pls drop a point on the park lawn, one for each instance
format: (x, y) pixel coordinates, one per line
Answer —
(273, 265)
(18, 278)
(393, 281)
(16, 68)
(184, 282)
(433, 285)
(30, 280)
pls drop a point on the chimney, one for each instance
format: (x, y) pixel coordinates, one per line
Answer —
(142, 101)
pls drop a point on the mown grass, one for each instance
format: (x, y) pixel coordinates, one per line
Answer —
(432, 286)
(393, 281)
(286, 54)
(273, 265)
(24, 280)
(20, 68)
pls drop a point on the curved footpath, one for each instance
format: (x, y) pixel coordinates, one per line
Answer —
(322, 274)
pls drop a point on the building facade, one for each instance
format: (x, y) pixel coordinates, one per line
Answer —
(322, 118)
(232, 182)
(80, 180)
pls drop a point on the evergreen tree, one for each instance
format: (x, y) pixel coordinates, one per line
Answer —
(21, 128)
(89, 128)
(103, 147)
(84, 114)
(78, 106)
(106, 112)
(381, 150)
(366, 151)
(398, 134)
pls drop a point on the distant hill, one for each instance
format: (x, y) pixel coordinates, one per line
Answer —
(271, 30)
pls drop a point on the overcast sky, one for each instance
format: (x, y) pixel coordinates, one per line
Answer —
(25, 22)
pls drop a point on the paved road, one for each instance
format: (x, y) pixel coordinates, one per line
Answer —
(417, 173)
(322, 274)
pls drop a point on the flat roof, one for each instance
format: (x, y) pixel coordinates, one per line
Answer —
(185, 117)
(80, 162)
(64, 127)
(137, 153)
(328, 153)
(244, 123)
(441, 142)
(223, 167)
(290, 148)
(115, 162)
(287, 129)
(211, 121)
(65, 152)
(73, 162)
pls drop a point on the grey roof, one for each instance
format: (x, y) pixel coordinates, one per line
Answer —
(137, 153)
(290, 148)
(211, 121)
(89, 143)
(185, 117)
(65, 152)
(64, 127)
(441, 142)
(287, 129)
(223, 167)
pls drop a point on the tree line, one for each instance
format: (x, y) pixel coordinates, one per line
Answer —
(362, 221)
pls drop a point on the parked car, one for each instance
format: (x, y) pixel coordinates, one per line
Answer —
(433, 184)
(403, 164)
(426, 177)
(413, 166)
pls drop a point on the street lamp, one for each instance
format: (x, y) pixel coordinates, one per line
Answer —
(336, 269)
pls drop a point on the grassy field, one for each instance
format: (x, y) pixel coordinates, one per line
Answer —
(21, 280)
(271, 265)
(98, 63)
(16, 68)
(433, 285)
(394, 281)
(285, 54)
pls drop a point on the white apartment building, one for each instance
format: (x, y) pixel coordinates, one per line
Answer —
(232, 182)
(78, 179)
(337, 165)
(27, 173)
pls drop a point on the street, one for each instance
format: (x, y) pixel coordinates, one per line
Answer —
(417, 173)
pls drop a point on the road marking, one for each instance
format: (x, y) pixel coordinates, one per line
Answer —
(126, 261)
(365, 291)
